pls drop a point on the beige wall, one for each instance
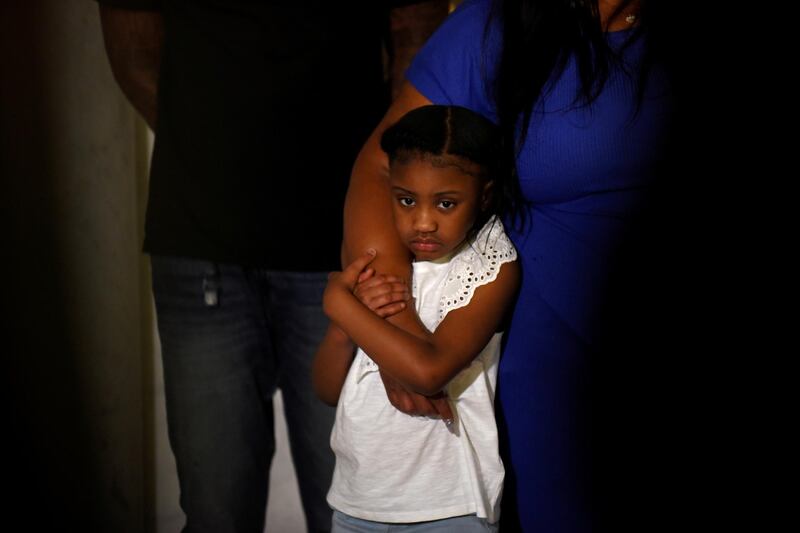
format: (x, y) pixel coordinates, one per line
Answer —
(73, 279)
(82, 379)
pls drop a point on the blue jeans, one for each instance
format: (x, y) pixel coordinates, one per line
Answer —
(343, 523)
(229, 337)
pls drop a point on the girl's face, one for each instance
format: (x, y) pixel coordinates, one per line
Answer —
(435, 207)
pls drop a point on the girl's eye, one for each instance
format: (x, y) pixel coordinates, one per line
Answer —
(446, 204)
(406, 202)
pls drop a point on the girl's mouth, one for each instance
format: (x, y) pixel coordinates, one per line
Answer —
(425, 245)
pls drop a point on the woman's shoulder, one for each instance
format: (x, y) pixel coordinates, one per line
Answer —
(465, 27)
(457, 62)
(472, 26)
(477, 10)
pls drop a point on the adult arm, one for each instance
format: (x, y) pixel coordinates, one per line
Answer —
(410, 27)
(368, 224)
(133, 41)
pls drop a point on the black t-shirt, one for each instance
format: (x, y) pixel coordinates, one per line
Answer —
(263, 106)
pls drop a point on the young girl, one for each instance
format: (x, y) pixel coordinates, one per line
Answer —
(391, 467)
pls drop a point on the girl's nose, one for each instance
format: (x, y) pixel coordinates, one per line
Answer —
(424, 222)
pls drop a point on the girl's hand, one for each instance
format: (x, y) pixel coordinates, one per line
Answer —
(348, 278)
(414, 404)
(385, 295)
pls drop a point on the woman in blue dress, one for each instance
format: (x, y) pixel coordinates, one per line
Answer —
(584, 106)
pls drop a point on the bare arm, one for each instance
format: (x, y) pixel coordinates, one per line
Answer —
(331, 364)
(384, 296)
(368, 208)
(368, 224)
(133, 41)
(410, 27)
(422, 365)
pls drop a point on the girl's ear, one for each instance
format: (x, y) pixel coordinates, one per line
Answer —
(486, 195)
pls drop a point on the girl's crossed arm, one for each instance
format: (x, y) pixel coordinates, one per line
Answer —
(423, 365)
(384, 296)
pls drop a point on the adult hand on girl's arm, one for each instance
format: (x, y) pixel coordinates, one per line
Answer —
(368, 224)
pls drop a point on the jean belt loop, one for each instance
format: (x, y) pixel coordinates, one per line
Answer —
(211, 286)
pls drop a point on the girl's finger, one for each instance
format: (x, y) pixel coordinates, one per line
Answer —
(391, 298)
(376, 301)
(383, 288)
(379, 279)
(373, 281)
(443, 410)
(367, 274)
(390, 310)
(351, 273)
(423, 405)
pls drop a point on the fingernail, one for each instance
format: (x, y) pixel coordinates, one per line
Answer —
(372, 251)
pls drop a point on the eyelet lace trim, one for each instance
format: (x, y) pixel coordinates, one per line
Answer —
(476, 265)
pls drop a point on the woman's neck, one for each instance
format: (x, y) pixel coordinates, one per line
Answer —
(613, 19)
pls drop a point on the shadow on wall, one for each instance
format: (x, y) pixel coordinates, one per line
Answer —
(71, 272)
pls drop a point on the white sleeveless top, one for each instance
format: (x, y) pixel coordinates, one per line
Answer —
(392, 467)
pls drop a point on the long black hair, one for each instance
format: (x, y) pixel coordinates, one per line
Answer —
(454, 135)
(539, 38)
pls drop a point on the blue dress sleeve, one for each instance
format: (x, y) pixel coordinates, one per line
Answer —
(457, 63)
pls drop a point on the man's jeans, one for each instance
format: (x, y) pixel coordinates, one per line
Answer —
(229, 337)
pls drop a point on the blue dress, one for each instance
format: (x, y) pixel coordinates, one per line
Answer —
(586, 172)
